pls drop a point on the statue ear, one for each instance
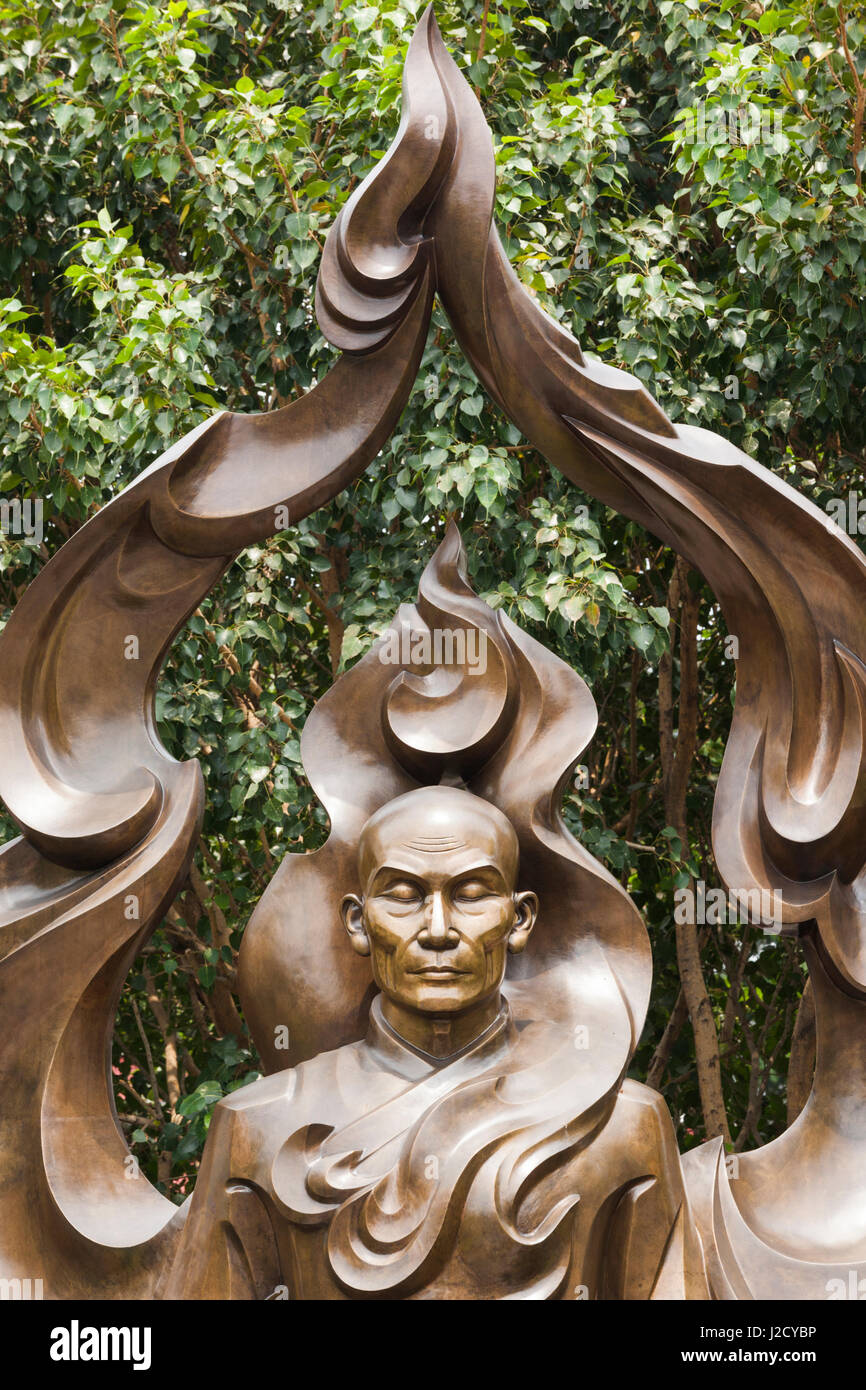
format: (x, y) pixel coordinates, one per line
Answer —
(525, 913)
(352, 912)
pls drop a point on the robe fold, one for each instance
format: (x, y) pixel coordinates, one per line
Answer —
(376, 1171)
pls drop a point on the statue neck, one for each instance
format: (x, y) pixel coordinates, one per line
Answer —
(440, 1035)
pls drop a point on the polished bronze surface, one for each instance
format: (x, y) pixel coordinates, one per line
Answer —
(108, 822)
(472, 1143)
(789, 1219)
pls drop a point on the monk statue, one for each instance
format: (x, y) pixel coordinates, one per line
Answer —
(446, 1110)
(460, 1149)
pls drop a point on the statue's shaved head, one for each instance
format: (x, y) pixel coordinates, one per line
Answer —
(439, 821)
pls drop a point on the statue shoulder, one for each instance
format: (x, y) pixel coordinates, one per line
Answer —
(253, 1101)
(277, 1088)
(645, 1113)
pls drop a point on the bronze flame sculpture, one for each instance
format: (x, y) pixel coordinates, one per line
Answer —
(467, 1147)
(106, 842)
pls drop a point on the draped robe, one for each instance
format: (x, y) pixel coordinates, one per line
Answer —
(375, 1170)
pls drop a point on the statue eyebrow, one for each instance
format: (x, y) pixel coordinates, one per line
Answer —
(482, 866)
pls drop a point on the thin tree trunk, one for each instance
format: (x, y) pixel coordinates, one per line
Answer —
(677, 759)
(169, 1042)
(801, 1066)
(660, 1058)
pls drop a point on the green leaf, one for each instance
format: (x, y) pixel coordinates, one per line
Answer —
(660, 616)
(168, 166)
(574, 608)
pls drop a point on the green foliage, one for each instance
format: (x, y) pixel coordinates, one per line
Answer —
(169, 174)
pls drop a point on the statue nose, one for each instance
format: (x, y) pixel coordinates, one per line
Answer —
(437, 929)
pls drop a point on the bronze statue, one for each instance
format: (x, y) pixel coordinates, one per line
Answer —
(473, 1143)
(107, 836)
(789, 1219)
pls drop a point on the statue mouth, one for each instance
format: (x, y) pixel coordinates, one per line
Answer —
(438, 970)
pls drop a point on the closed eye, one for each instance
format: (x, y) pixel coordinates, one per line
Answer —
(472, 892)
(402, 893)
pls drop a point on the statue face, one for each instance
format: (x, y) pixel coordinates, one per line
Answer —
(439, 912)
